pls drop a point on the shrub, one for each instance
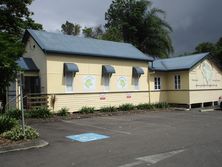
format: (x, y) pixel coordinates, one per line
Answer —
(7, 123)
(126, 107)
(63, 112)
(162, 105)
(145, 106)
(87, 110)
(14, 113)
(108, 109)
(41, 112)
(16, 133)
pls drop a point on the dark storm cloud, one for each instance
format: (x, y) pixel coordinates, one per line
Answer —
(193, 21)
(53, 13)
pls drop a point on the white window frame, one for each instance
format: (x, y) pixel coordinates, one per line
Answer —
(177, 82)
(69, 77)
(157, 83)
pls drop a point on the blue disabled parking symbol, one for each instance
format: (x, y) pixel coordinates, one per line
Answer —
(87, 137)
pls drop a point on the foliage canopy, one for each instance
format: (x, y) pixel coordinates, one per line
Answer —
(140, 24)
(71, 28)
(215, 49)
(15, 17)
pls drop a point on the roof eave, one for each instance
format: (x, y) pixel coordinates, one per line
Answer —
(171, 70)
(94, 55)
(201, 60)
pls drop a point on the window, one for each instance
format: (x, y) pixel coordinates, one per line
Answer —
(107, 71)
(70, 70)
(69, 82)
(136, 82)
(137, 72)
(106, 80)
(157, 83)
(177, 82)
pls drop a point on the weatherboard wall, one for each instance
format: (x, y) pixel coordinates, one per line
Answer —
(158, 95)
(168, 93)
(96, 96)
(205, 82)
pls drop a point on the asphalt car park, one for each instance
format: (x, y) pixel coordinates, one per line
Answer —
(158, 139)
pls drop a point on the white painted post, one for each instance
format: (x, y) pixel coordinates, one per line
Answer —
(202, 105)
(213, 104)
(189, 106)
(21, 102)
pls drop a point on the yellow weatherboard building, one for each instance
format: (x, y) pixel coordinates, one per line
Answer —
(74, 72)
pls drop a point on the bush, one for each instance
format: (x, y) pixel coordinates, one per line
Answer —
(41, 112)
(126, 107)
(146, 106)
(63, 112)
(162, 105)
(16, 133)
(87, 110)
(108, 109)
(14, 113)
(7, 123)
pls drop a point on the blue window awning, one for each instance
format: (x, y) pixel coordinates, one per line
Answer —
(70, 68)
(108, 69)
(137, 71)
(27, 64)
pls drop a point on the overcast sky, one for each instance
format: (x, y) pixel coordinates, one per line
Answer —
(193, 21)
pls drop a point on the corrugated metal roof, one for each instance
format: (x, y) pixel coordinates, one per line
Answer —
(68, 44)
(27, 64)
(178, 63)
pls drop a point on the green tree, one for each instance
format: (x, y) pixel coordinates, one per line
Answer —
(98, 32)
(93, 32)
(112, 34)
(205, 47)
(10, 50)
(215, 50)
(88, 32)
(15, 17)
(140, 24)
(71, 28)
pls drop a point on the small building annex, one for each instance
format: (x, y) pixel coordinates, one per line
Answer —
(77, 72)
(189, 80)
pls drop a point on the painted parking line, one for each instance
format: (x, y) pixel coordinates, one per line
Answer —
(87, 137)
(152, 159)
(98, 127)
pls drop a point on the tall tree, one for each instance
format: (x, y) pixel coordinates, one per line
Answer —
(98, 32)
(93, 32)
(71, 28)
(215, 50)
(112, 34)
(88, 32)
(205, 47)
(141, 25)
(14, 18)
(10, 50)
